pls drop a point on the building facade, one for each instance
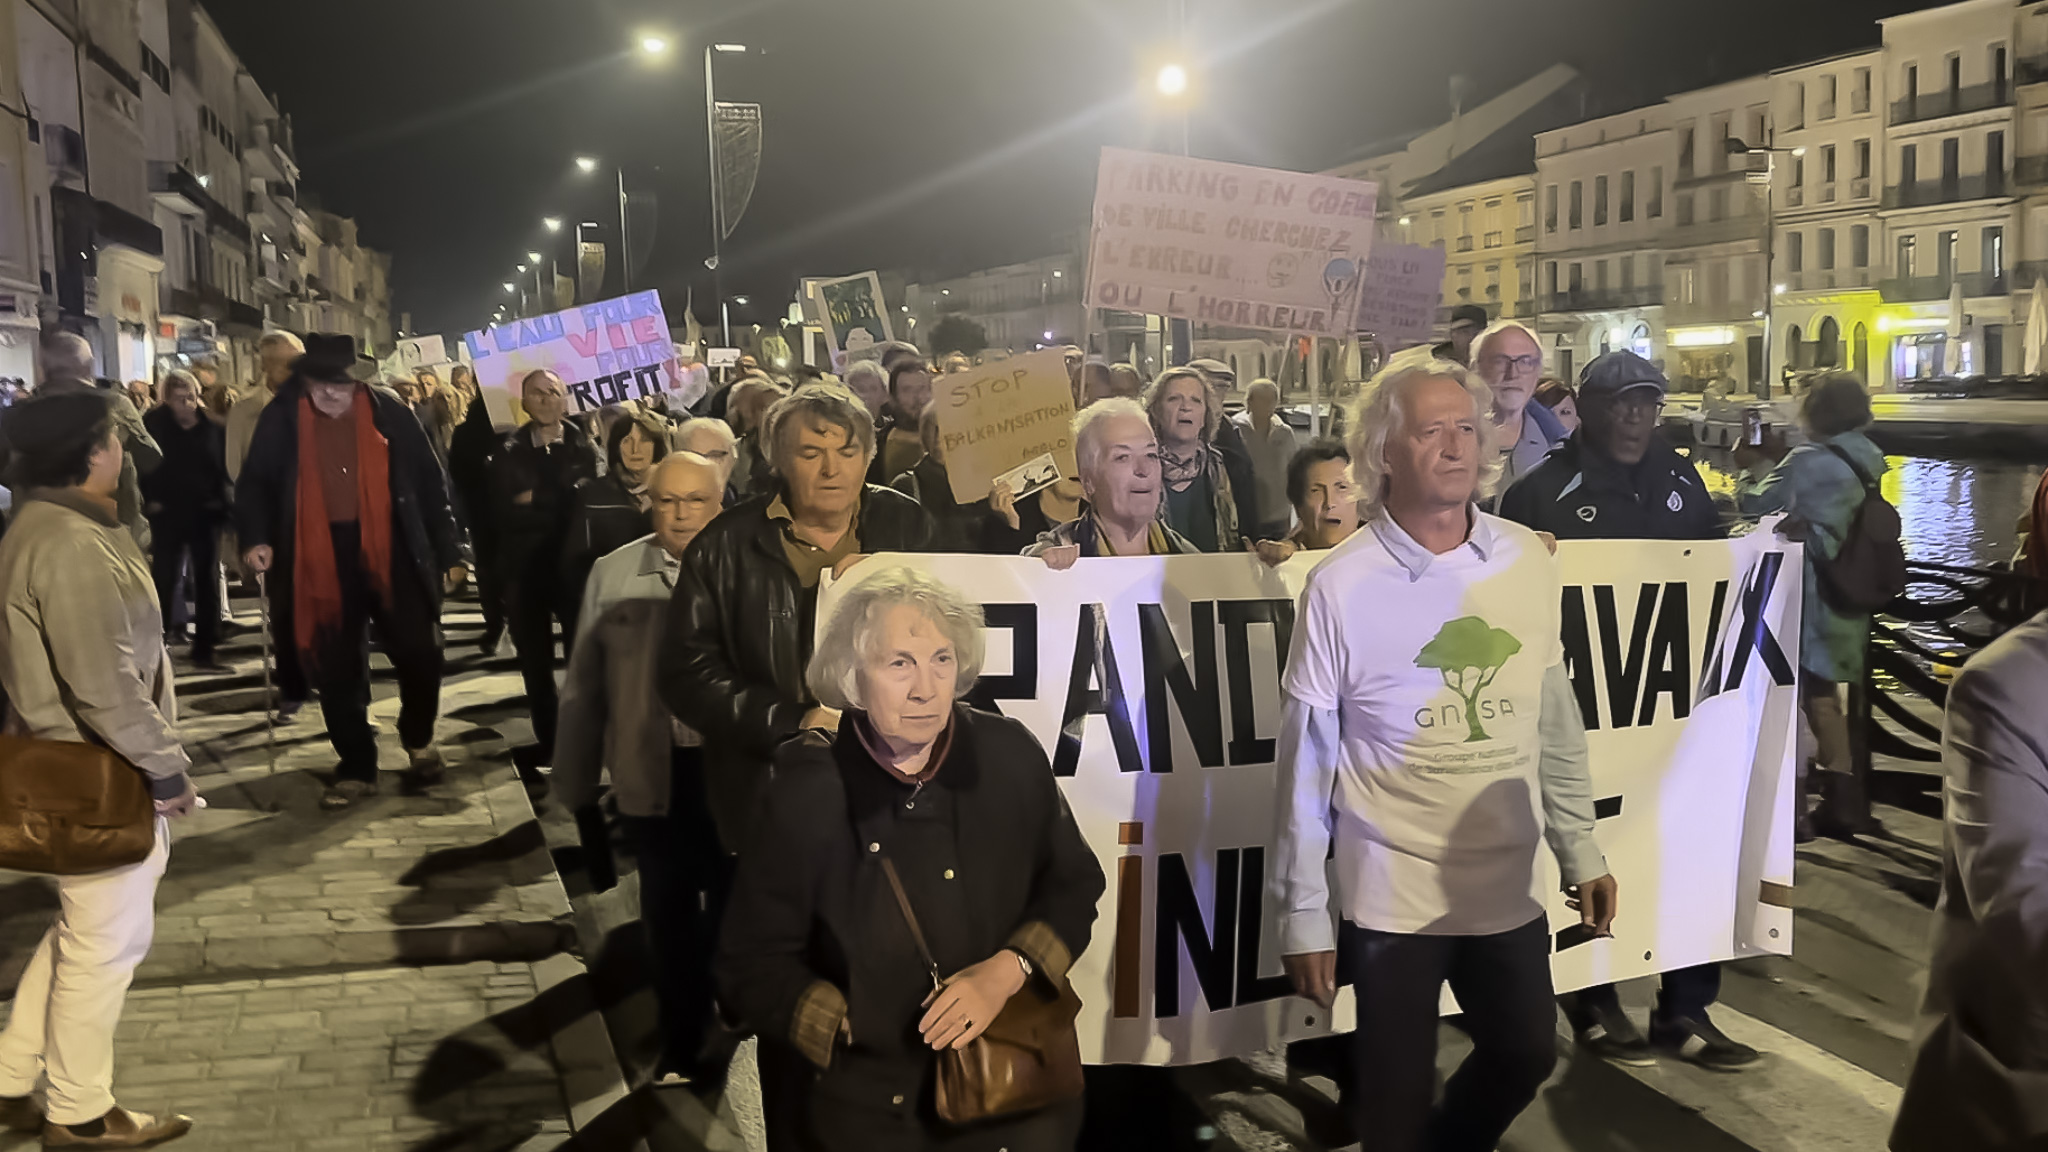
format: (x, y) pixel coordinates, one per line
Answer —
(1020, 307)
(1601, 224)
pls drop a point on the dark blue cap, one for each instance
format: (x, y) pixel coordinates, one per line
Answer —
(1609, 376)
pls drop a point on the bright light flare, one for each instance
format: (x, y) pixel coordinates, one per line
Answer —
(653, 44)
(1173, 80)
(551, 223)
(586, 164)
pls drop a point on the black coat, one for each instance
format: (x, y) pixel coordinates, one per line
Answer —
(739, 637)
(471, 448)
(811, 903)
(955, 527)
(1579, 494)
(603, 517)
(267, 493)
(531, 535)
(191, 485)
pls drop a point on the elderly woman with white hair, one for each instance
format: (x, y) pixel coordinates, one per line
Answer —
(820, 954)
(1118, 454)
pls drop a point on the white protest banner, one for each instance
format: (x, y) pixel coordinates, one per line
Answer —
(1404, 285)
(420, 351)
(994, 418)
(722, 357)
(606, 353)
(1228, 244)
(1154, 686)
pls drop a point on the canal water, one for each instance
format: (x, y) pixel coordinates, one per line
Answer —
(1962, 510)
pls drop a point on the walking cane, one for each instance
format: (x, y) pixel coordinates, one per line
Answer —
(269, 720)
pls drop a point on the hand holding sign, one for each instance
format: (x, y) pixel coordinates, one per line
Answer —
(1012, 420)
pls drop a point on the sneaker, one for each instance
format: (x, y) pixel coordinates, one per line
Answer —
(20, 1114)
(1699, 1042)
(425, 765)
(1613, 1037)
(343, 793)
(287, 711)
(119, 1128)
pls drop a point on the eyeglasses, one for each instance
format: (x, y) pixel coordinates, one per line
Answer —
(1633, 408)
(1518, 363)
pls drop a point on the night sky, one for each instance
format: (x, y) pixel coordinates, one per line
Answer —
(932, 136)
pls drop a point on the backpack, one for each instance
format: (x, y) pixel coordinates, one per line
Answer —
(1869, 570)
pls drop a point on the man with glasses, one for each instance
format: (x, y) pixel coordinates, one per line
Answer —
(1617, 479)
(1510, 360)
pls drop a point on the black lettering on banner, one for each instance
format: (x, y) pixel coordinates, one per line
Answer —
(1022, 683)
(1670, 656)
(581, 391)
(1578, 653)
(1200, 707)
(1753, 631)
(1095, 663)
(1624, 666)
(1246, 747)
(1253, 988)
(1710, 656)
(1177, 919)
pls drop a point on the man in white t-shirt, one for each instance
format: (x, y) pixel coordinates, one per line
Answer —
(1430, 731)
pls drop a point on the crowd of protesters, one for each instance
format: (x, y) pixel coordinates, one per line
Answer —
(770, 770)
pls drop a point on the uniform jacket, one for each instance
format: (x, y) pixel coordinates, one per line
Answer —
(267, 495)
(82, 639)
(1979, 1077)
(1812, 485)
(610, 717)
(732, 664)
(1578, 494)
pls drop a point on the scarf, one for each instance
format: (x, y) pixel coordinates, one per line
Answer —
(1155, 541)
(316, 582)
(1179, 472)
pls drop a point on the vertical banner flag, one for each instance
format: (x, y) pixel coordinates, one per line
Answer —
(606, 353)
(1228, 244)
(589, 269)
(1003, 416)
(417, 351)
(1153, 685)
(856, 320)
(1404, 286)
(738, 150)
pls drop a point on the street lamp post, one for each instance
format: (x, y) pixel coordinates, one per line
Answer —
(589, 165)
(1736, 147)
(717, 196)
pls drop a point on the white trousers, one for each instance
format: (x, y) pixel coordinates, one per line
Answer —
(70, 996)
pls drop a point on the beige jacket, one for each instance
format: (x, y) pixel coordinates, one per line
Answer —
(242, 427)
(81, 638)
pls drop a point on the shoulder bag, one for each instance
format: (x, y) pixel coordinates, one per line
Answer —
(1028, 1058)
(68, 808)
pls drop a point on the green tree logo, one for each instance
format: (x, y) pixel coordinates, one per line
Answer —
(1469, 654)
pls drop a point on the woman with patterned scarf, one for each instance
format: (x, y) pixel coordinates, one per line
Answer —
(1198, 503)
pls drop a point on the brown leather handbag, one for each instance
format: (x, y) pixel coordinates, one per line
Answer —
(68, 808)
(1029, 1057)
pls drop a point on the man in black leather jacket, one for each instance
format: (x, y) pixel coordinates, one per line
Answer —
(741, 621)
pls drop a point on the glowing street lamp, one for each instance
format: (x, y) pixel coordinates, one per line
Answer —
(551, 223)
(511, 288)
(586, 164)
(653, 45)
(1173, 80)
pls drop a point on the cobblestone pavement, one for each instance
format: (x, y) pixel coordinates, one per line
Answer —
(400, 975)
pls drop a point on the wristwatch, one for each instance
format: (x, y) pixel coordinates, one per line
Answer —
(1024, 962)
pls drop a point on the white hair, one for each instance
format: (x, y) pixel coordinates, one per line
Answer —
(866, 368)
(67, 356)
(712, 424)
(1382, 411)
(834, 672)
(279, 339)
(1501, 328)
(1088, 424)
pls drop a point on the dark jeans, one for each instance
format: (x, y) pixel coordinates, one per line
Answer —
(408, 630)
(172, 540)
(490, 583)
(292, 685)
(1503, 985)
(1686, 993)
(684, 876)
(533, 603)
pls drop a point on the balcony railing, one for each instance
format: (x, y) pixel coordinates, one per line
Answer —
(1947, 191)
(1464, 243)
(1953, 102)
(1526, 234)
(2030, 170)
(1603, 299)
(1825, 279)
(1921, 289)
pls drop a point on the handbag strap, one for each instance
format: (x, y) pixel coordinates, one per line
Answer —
(910, 918)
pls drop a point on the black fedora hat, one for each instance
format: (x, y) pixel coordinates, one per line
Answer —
(330, 358)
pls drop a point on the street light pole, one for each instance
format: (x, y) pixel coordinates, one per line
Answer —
(1736, 146)
(625, 235)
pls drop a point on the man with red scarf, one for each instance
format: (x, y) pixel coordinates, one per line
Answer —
(343, 504)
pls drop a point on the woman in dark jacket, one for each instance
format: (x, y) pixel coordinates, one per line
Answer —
(817, 957)
(611, 510)
(471, 448)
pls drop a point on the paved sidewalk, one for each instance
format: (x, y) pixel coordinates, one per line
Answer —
(399, 975)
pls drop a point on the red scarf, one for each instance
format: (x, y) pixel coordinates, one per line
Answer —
(316, 583)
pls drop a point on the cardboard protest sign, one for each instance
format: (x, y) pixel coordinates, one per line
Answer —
(996, 418)
(420, 351)
(855, 317)
(1404, 285)
(1228, 244)
(606, 353)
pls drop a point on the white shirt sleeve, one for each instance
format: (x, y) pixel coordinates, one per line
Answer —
(1308, 773)
(1315, 657)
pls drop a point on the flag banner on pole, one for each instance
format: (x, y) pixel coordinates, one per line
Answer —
(1228, 244)
(738, 149)
(589, 269)
(1154, 686)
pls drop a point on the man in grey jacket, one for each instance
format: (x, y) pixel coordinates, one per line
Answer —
(1980, 1069)
(1429, 731)
(607, 718)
